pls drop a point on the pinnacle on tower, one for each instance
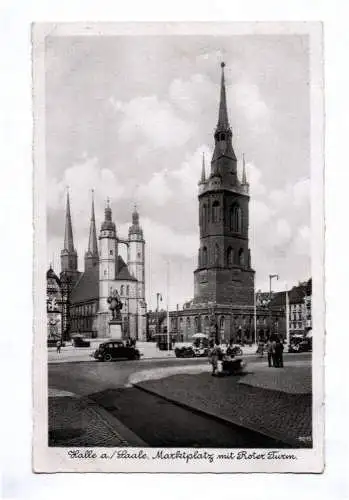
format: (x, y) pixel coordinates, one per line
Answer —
(244, 178)
(68, 234)
(203, 173)
(223, 121)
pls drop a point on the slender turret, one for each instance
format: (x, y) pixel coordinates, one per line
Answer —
(91, 256)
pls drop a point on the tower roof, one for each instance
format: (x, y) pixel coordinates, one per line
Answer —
(68, 234)
(92, 240)
(135, 228)
(108, 223)
(223, 121)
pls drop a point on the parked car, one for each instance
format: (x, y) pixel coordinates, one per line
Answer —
(79, 341)
(303, 344)
(53, 343)
(116, 349)
(185, 351)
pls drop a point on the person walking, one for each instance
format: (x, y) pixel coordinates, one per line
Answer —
(270, 349)
(213, 358)
(279, 349)
(58, 345)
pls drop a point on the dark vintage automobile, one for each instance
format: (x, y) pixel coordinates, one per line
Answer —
(79, 341)
(301, 344)
(115, 349)
(191, 351)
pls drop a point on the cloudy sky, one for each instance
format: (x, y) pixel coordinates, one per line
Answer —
(131, 118)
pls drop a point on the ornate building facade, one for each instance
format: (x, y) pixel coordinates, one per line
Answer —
(85, 294)
(53, 306)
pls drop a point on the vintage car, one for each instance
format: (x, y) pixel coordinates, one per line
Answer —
(300, 344)
(115, 349)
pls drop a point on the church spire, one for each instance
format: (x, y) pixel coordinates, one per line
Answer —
(68, 234)
(69, 256)
(223, 121)
(91, 256)
(92, 241)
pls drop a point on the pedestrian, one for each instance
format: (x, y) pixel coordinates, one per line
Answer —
(58, 345)
(279, 349)
(213, 358)
(269, 347)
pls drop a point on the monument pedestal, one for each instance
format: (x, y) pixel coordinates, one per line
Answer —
(115, 330)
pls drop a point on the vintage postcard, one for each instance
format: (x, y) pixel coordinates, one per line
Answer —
(179, 247)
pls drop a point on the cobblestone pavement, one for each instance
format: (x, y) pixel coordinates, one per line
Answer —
(76, 421)
(281, 415)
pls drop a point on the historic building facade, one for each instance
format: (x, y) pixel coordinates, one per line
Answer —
(85, 294)
(53, 306)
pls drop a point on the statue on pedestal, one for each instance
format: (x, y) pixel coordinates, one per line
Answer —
(115, 304)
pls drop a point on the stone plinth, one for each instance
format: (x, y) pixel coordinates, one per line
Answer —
(115, 330)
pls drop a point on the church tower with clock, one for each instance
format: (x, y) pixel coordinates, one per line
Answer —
(224, 275)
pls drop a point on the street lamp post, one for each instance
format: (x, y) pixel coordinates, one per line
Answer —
(158, 299)
(271, 276)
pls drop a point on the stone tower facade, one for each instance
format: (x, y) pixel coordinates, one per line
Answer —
(136, 256)
(224, 275)
(108, 248)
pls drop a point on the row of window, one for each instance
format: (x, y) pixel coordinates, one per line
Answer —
(294, 325)
(232, 258)
(84, 310)
(215, 215)
(202, 323)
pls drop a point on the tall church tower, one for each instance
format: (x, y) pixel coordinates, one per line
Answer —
(108, 247)
(224, 275)
(69, 270)
(136, 259)
(91, 256)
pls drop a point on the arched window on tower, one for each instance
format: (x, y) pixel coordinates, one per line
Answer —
(241, 257)
(128, 290)
(122, 290)
(206, 325)
(230, 257)
(215, 211)
(236, 219)
(204, 215)
(216, 254)
(204, 257)
(221, 324)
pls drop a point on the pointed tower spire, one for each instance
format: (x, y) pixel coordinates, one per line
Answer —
(91, 256)
(68, 234)
(203, 170)
(244, 178)
(69, 256)
(223, 121)
(220, 166)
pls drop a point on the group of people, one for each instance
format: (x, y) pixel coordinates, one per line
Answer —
(275, 351)
(216, 353)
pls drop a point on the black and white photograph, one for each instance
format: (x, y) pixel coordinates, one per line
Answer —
(178, 216)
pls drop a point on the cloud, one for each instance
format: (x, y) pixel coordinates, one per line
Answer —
(81, 178)
(151, 120)
(248, 98)
(156, 190)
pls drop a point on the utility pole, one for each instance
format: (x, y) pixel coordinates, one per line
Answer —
(287, 318)
(168, 304)
(271, 276)
(255, 318)
(158, 298)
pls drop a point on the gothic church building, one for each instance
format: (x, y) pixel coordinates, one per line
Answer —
(85, 309)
